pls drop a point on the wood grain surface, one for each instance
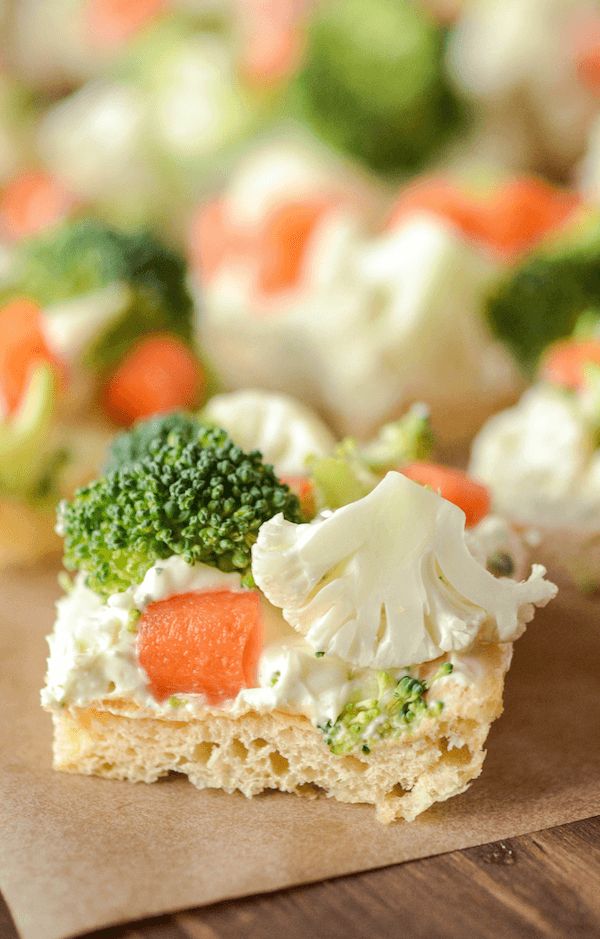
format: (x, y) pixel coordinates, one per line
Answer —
(545, 884)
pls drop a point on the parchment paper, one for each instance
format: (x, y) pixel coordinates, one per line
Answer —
(77, 853)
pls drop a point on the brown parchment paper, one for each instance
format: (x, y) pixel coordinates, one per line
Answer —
(77, 853)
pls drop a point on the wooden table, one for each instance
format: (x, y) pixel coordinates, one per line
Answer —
(545, 884)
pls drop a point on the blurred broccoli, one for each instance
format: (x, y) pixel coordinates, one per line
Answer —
(182, 489)
(373, 82)
(543, 298)
(83, 256)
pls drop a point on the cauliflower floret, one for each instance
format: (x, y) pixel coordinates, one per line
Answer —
(388, 581)
(285, 431)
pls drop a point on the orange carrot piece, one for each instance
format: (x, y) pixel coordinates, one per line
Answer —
(525, 209)
(283, 241)
(212, 238)
(22, 347)
(159, 374)
(201, 643)
(111, 23)
(565, 361)
(441, 197)
(304, 488)
(32, 202)
(455, 486)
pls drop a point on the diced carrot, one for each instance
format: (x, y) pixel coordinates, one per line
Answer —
(212, 238)
(159, 374)
(271, 38)
(455, 486)
(201, 643)
(523, 210)
(586, 43)
(510, 220)
(31, 202)
(111, 23)
(283, 241)
(565, 361)
(22, 347)
(304, 488)
(441, 197)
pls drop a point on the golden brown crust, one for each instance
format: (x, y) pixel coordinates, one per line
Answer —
(401, 777)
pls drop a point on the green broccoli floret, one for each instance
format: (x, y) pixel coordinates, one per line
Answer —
(148, 436)
(373, 82)
(83, 256)
(542, 299)
(197, 496)
(403, 441)
(352, 470)
(395, 705)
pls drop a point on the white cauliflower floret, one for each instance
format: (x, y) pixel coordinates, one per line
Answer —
(388, 581)
(285, 431)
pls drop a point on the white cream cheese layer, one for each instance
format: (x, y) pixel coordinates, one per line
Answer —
(93, 653)
(540, 460)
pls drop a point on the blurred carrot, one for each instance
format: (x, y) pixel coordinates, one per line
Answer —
(304, 488)
(283, 241)
(564, 362)
(22, 346)
(112, 22)
(455, 486)
(159, 374)
(31, 202)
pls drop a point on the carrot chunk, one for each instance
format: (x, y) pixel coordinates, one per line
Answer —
(304, 488)
(283, 241)
(32, 202)
(441, 197)
(524, 210)
(511, 220)
(22, 347)
(564, 362)
(212, 238)
(159, 374)
(455, 486)
(201, 643)
(111, 23)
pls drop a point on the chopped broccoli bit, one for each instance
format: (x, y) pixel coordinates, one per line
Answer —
(194, 495)
(542, 299)
(319, 654)
(83, 256)
(410, 438)
(395, 706)
(352, 471)
(501, 564)
(373, 82)
(275, 678)
(342, 477)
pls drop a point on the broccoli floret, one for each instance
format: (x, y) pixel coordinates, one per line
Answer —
(410, 438)
(352, 470)
(373, 82)
(395, 706)
(148, 436)
(197, 496)
(542, 299)
(83, 256)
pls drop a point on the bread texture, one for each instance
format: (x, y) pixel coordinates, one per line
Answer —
(26, 533)
(402, 777)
